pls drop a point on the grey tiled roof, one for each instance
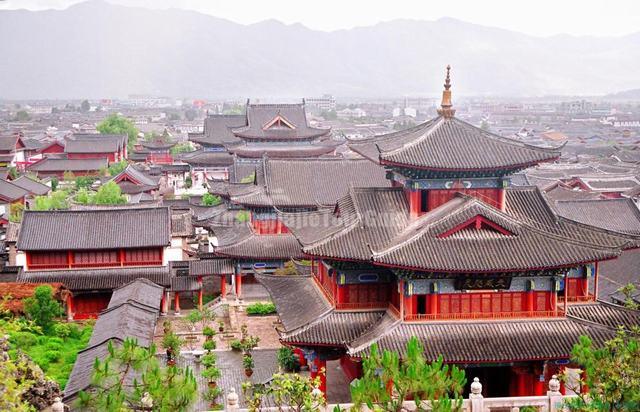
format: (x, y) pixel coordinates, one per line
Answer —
(374, 224)
(126, 320)
(618, 215)
(298, 300)
(259, 115)
(140, 177)
(185, 283)
(203, 158)
(132, 313)
(97, 279)
(32, 186)
(141, 290)
(605, 314)
(335, 328)
(489, 341)
(95, 229)
(217, 129)
(10, 192)
(617, 273)
(68, 165)
(181, 224)
(451, 144)
(241, 241)
(205, 267)
(302, 182)
(92, 145)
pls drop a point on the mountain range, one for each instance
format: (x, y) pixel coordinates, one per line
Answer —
(97, 50)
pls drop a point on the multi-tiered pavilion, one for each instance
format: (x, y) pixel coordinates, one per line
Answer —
(486, 275)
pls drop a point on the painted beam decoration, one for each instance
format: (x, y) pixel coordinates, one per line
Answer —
(484, 282)
(487, 183)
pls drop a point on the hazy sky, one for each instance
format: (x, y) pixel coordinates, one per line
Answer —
(536, 17)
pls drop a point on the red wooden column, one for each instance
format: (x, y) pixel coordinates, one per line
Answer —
(223, 286)
(176, 307)
(530, 296)
(595, 281)
(70, 312)
(238, 285)
(163, 302)
(317, 371)
(200, 293)
(539, 388)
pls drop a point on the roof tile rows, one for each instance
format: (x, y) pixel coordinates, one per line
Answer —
(95, 229)
(451, 144)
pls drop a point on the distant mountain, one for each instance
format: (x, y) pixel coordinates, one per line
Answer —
(97, 49)
(633, 94)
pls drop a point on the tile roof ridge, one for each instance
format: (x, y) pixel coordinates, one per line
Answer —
(353, 349)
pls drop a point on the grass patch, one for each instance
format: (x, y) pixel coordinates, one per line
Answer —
(55, 353)
(261, 309)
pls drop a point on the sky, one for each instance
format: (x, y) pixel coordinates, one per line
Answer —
(534, 17)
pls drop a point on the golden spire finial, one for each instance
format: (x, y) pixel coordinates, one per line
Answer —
(446, 108)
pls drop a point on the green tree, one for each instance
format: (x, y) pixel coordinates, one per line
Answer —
(54, 201)
(629, 291)
(190, 114)
(168, 388)
(109, 194)
(612, 374)
(182, 148)
(16, 210)
(84, 196)
(42, 307)
(329, 115)
(188, 182)
(54, 183)
(116, 124)
(387, 381)
(116, 168)
(84, 182)
(288, 391)
(22, 116)
(85, 106)
(13, 386)
(68, 176)
(211, 200)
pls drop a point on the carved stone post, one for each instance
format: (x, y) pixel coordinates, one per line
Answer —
(555, 397)
(477, 401)
(232, 401)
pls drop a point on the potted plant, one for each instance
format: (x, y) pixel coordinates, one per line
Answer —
(209, 345)
(248, 363)
(220, 326)
(236, 345)
(208, 332)
(212, 395)
(212, 374)
(249, 343)
(166, 326)
(171, 343)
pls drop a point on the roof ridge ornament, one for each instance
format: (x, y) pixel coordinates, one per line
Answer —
(446, 109)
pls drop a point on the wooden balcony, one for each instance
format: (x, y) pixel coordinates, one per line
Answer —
(577, 299)
(476, 315)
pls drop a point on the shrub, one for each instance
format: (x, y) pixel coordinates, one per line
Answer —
(24, 340)
(52, 355)
(209, 345)
(287, 359)
(208, 331)
(211, 200)
(42, 308)
(261, 309)
(236, 345)
(84, 182)
(243, 216)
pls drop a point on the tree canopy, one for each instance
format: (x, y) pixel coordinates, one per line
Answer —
(612, 374)
(109, 194)
(116, 124)
(54, 201)
(42, 307)
(387, 381)
(131, 378)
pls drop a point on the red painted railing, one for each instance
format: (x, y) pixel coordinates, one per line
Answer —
(573, 299)
(362, 305)
(476, 315)
(327, 293)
